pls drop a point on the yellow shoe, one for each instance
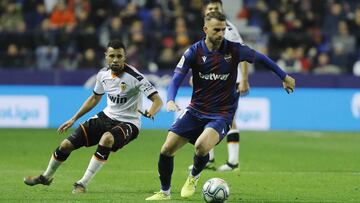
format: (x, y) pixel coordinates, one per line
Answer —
(159, 196)
(189, 187)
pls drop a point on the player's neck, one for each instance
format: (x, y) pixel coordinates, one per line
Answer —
(212, 46)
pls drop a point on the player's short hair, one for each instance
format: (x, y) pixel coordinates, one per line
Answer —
(216, 14)
(116, 44)
(207, 2)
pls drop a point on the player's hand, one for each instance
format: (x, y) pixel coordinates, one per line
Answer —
(243, 88)
(65, 126)
(289, 84)
(146, 114)
(172, 106)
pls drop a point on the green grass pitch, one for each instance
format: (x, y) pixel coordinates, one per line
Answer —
(275, 167)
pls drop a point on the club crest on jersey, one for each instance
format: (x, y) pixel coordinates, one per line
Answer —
(227, 57)
(122, 86)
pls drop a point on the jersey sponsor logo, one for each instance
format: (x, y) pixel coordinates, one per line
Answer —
(227, 57)
(213, 76)
(181, 62)
(117, 99)
(204, 58)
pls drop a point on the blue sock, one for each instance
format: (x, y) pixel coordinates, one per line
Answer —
(199, 164)
(165, 169)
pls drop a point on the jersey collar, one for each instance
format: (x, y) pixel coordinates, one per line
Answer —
(221, 50)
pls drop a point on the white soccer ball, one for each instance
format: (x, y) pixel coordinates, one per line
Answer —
(215, 190)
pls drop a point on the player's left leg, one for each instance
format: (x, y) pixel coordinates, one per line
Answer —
(114, 139)
(206, 141)
(166, 165)
(233, 144)
(61, 153)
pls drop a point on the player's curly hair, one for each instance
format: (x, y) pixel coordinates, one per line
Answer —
(216, 14)
(116, 44)
(206, 2)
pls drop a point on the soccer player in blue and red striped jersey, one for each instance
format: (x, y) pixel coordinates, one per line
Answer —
(207, 119)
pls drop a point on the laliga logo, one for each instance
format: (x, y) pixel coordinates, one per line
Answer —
(355, 105)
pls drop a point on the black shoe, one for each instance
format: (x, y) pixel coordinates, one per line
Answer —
(34, 180)
(79, 188)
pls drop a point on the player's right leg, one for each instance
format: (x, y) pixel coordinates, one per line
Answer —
(58, 157)
(166, 164)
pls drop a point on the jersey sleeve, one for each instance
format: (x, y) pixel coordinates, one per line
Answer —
(147, 88)
(246, 53)
(185, 62)
(98, 89)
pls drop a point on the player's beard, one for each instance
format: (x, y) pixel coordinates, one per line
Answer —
(216, 41)
(117, 68)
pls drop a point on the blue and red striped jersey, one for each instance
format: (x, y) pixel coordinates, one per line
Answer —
(214, 76)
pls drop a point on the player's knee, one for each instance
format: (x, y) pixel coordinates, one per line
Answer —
(66, 146)
(107, 140)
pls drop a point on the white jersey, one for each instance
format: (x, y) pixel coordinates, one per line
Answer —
(123, 93)
(232, 34)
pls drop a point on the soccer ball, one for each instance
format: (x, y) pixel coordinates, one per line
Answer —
(215, 190)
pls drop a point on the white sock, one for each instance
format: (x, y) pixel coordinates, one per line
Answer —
(167, 192)
(52, 167)
(212, 154)
(94, 166)
(233, 150)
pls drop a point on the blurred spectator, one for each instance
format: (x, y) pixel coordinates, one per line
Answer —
(288, 62)
(112, 29)
(304, 60)
(46, 57)
(156, 30)
(324, 66)
(62, 16)
(89, 60)
(13, 58)
(12, 19)
(277, 41)
(34, 16)
(343, 38)
(332, 18)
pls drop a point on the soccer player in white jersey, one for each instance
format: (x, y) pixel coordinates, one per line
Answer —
(233, 136)
(115, 126)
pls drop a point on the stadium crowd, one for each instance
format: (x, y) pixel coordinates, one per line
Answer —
(303, 36)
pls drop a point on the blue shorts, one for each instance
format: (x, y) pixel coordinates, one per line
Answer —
(190, 126)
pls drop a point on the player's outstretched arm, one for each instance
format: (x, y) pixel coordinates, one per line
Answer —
(288, 81)
(90, 103)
